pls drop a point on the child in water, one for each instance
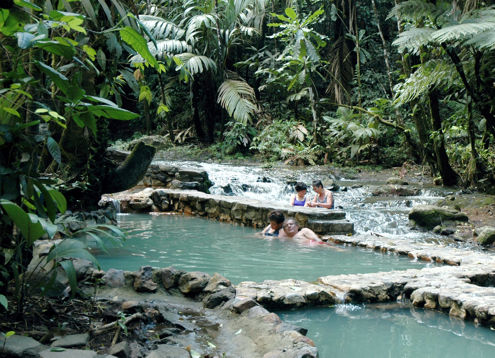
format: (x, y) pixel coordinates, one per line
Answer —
(277, 219)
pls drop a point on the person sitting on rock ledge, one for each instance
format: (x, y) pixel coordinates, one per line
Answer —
(291, 230)
(299, 199)
(323, 197)
(276, 220)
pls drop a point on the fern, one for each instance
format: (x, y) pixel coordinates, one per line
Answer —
(161, 28)
(412, 10)
(432, 74)
(483, 41)
(170, 47)
(464, 31)
(238, 99)
(412, 39)
(195, 63)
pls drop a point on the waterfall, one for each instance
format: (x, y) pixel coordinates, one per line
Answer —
(382, 214)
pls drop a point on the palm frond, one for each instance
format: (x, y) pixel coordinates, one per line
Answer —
(483, 41)
(412, 39)
(163, 49)
(248, 30)
(196, 63)
(238, 99)
(412, 10)
(170, 47)
(299, 95)
(196, 22)
(464, 31)
(161, 28)
(431, 74)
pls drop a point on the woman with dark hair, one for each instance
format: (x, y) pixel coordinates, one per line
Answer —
(323, 197)
(299, 199)
(276, 221)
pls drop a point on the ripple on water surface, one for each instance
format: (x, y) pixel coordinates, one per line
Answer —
(391, 330)
(196, 244)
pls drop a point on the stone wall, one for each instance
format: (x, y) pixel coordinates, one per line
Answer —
(464, 288)
(243, 211)
(161, 175)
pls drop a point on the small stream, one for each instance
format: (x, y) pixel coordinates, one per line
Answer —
(383, 215)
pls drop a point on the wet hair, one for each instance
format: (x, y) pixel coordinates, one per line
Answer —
(300, 186)
(290, 219)
(276, 216)
(317, 183)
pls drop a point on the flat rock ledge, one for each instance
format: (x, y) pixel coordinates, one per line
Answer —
(464, 286)
(187, 314)
(244, 211)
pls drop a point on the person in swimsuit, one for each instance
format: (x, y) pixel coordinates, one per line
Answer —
(323, 197)
(291, 230)
(299, 199)
(276, 221)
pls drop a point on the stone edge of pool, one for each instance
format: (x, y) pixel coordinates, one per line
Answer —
(245, 211)
(464, 287)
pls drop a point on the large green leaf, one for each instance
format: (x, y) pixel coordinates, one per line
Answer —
(69, 269)
(54, 150)
(238, 98)
(59, 79)
(112, 112)
(59, 200)
(36, 230)
(57, 48)
(4, 302)
(70, 248)
(139, 44)
(17, 215)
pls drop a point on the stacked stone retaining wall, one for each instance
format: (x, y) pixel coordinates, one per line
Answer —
(244, 211)
(464, 288)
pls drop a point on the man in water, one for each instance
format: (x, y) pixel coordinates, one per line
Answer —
(291, 230)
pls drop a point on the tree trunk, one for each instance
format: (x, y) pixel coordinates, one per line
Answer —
(194, 89)
(478, 167)
(131, 171)
(449, 176)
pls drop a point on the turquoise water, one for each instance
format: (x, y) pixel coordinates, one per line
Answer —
(196, 244)
(352, 331)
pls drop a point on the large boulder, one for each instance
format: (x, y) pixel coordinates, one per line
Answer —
(486, 235)
(429, 216)
(194, 282)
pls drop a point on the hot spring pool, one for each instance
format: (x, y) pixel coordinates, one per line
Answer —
(196, 244)
(392, 331)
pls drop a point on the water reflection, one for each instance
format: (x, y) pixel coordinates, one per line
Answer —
(391, 330)
(196, 244)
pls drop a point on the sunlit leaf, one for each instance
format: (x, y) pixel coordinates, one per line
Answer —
(139, 44)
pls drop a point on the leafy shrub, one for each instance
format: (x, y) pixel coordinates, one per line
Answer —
(286, 140)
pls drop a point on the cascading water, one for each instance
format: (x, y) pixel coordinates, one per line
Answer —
(383, 215)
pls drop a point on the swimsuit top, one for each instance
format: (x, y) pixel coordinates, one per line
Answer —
(321, 201)
(274, 233)
(324, 200)
(299, 202)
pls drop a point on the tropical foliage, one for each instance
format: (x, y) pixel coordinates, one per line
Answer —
(54, 102)
(305, 82)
